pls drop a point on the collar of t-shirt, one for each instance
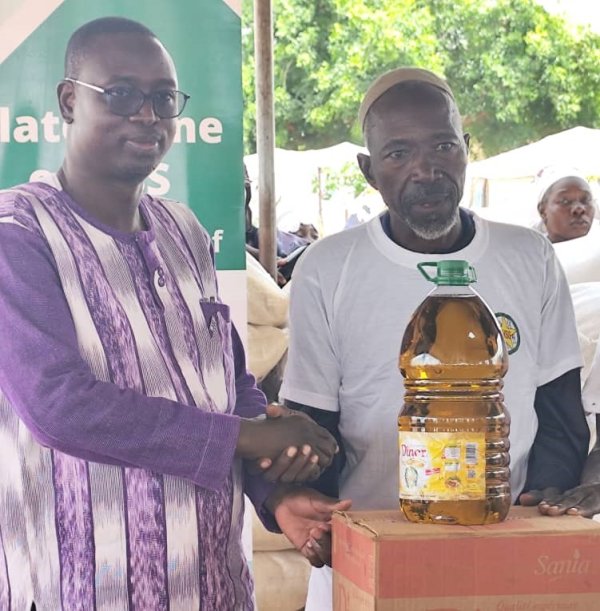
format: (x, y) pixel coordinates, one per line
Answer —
(466, 236)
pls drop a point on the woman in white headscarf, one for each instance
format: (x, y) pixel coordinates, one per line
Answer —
(565, 204)
(567, 209)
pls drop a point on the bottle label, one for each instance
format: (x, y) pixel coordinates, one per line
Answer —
(442, 466)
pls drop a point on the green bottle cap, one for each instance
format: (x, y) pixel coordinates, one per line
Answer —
(449, 273)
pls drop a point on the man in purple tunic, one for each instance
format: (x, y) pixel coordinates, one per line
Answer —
(125, 406)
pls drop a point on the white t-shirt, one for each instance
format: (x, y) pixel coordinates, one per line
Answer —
(353, 295)
(586, 302)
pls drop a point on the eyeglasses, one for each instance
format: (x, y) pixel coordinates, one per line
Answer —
(126, 101)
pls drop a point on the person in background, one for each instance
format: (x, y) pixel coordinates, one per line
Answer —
(307, 231)
(126, 411)
(354, 293)
(567, 211)
(567, 217)
(359, 217)
(565, 204)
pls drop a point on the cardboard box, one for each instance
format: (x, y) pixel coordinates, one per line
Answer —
(528, 562)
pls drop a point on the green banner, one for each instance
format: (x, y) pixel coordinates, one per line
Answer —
(203, 168)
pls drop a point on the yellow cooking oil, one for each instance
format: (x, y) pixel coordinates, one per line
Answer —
(453, 428)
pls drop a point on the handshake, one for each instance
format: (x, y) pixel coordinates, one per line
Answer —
(287, 447)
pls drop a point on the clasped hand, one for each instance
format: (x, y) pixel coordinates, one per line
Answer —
(304, 516)
(287, 447)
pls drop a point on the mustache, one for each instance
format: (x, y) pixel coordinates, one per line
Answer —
(425, 193)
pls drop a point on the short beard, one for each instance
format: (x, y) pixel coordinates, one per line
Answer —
(433, 229)
(438, 223)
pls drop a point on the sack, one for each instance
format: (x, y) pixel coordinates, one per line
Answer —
(266, 346)
(267, 303)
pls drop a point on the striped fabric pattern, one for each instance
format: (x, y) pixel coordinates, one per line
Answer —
(96, 536)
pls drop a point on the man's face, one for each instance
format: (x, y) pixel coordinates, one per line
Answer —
(569, 209)
(107, 145)
(418, 161)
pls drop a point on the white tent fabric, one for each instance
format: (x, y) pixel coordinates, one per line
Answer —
(502, 187)
(296, 186)
(576, 147)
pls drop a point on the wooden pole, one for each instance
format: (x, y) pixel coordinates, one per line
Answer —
(320, 181)
(265, 134)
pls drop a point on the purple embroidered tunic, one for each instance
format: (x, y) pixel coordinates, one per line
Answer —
(122, 382)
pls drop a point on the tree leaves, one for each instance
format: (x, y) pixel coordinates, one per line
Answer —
(518, 73)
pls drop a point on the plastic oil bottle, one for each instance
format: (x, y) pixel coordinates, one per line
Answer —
(453, 427)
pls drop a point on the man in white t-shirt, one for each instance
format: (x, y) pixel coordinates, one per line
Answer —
(354, 292)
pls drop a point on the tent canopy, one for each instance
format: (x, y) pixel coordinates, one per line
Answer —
(576, 147)
(297, 189)
(503, 187)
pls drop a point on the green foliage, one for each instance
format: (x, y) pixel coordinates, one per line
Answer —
(326, 54)
(518, 73)
(347, 179)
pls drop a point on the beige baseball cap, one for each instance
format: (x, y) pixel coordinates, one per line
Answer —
(390, 79)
